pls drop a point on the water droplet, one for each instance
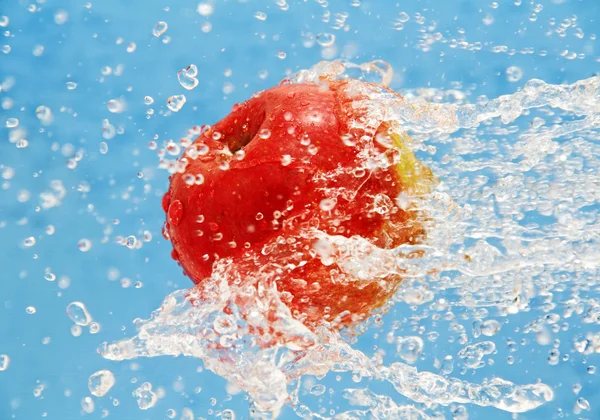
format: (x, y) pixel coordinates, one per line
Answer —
(71, 85)
(325, 39)
(116, 106)
(44, 114)
(175, 212)
(328, 204)
(30, 310)
(145, 397)
(409, 348)
(28, 242)
(583, 403)
(176, 102)
(4, 21)
(160, 28)
(318, 389)
(131, 242)
(490, 327)
(4, 362)
(87, 405)
(286, 160)
(514, 74)
(84, 245)
(148, 100)
(205, 9)
(101, 382)
(103, 148)
(12, 122)
(61, 17)
(187, 77)
(131, 47)
(79, 314)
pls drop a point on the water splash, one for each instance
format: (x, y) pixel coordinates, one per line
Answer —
(512, 222)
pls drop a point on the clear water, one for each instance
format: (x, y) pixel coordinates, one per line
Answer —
(499, 317)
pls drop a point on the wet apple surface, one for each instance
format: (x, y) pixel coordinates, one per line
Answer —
(289, 164)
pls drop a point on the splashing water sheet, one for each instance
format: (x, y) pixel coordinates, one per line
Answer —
(498, 309)
(483, 246)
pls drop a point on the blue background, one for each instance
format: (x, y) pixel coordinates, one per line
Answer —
(78, 50)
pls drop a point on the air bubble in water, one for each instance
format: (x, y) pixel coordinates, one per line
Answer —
(514, 74)
(71, 85)
(12, 122)
(187, 77)
(103, 148)
(176, 102)
(101, 382)
(79, 313)
(260, 16)
(29, 242)
(30, 310)
(4, 362)
(4, 21)
(145, 397)
(160, 28)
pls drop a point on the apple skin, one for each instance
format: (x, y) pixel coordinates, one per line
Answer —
(289, 160)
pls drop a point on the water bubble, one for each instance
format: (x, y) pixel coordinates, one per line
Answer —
(145, 397)
(61, 17)
(187, 77)
(94, 327)
(514, 74)
(325, 39)
(71, 85)
(4, 21)
(101, 382)
(409, 348)
(281, 55)
(160, 28)
(76, 330)
(228, 414)
(79, 313)
(116, 106)
(103, 148)
(131, 47)
(176, 102)
(148, 100)
(30, 310)
(12, 122)
(260, 16)
(84, 245)
(87, 405)
(4, 362)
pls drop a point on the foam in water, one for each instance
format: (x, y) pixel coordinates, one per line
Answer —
(513, 220)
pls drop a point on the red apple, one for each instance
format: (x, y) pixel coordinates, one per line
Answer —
(291, 159)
